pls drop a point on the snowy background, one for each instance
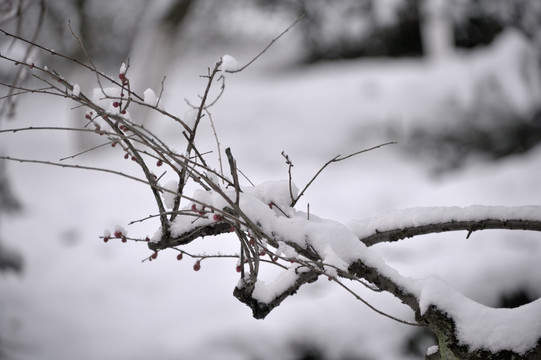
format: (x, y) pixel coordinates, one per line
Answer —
(79, 298)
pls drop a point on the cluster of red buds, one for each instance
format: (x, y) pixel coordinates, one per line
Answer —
(201, 211)
(119, 233)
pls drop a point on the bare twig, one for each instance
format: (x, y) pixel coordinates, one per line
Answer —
(333, 160)
(267, 47)
(234, 175)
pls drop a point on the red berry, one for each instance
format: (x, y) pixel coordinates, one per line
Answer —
(270, 204)
(179, 256)
(118, 234)
(126, 156)
(147, 239)
(218, 217)
(155, 255)
(263, 252)
(124, 239)
(232, 228)
(88, 117)
(123, 112)
(197, 266)
(106, 238)
(238, 268)
(116, 104)
(194, 207)
(159, 163)
(113, 144)
(122, 77)
(252, 241)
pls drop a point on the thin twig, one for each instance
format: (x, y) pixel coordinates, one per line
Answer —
(333, 160)
(267, 47)
(234, 175)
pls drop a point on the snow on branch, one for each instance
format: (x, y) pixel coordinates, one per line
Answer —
(401, 224)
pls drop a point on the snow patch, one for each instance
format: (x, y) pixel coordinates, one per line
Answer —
(149, 97)
(267, 292)
(229, 63)
(76, 90)
(169, 196)
(482, 327)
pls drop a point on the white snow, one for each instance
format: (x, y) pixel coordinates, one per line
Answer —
(229, 63)
(122, 69)
(266, 292)
(169, 196)
(149, 97)
(76, 90)
(190, 117)
(432, 350)
(482, 327)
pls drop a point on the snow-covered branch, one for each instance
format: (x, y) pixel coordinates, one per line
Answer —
(401, 224)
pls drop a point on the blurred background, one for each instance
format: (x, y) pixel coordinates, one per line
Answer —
(456, 84)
